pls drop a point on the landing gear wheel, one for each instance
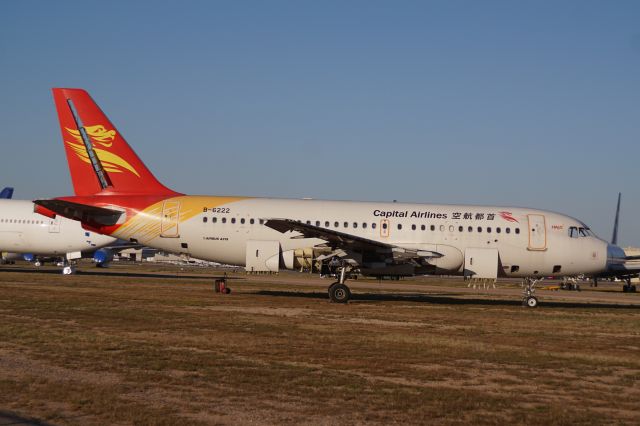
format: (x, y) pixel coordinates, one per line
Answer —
(530, 302)
(68, 270)
(339, 293)
(37, 264)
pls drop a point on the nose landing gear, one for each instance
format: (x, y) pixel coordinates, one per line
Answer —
(529, 299)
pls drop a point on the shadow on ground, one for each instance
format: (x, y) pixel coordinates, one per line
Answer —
(7, 418)
(107, 273)
(442, 300)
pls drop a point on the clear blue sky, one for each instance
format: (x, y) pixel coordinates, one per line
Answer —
(485, 102)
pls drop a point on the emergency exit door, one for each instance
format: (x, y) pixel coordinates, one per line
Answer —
(537, 232)
(169, 220)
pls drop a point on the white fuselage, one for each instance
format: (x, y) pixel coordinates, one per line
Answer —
(529, 242)
(23, 231)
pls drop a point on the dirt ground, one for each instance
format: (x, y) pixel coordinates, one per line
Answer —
(155, 345)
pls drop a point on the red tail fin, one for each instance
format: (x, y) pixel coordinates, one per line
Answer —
(99, 157)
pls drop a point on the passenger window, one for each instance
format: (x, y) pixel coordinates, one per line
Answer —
(336, 224)
(326, 224)
(204, 219)
(242, 221)
(508, 230)
(317, 223)
(373, 225)
(384, 225)
(517, 230)
(355, 225)
(498, 230)
(470, 229)
(251, 221)
(224, 220)
(451, 228)
(214, 219)
(399, 226)
(479, 228)
(460, 228)
(346, 224)
(364, 225)
(308, 222)
(441, 228)
(233, 220)
(423, 227)
(413, 227)
(433, 227)
(261, 221)
(488, 229)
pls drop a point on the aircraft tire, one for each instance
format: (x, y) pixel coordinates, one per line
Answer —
(530, 302)
(339, 293)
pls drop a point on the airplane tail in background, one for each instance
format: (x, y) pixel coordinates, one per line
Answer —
(6, 193)
(614, 237)
(100, 160)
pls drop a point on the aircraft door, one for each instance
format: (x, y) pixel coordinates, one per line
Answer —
(169, 220)
(537, 232)
(54, 225)
(385, 228)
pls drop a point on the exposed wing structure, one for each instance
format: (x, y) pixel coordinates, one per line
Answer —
(342, 242)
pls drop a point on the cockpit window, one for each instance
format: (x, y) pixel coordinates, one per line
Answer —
(579, 231)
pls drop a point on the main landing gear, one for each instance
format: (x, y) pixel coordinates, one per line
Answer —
(529, 299)
(338, 291)
(68, 268)
(628, 287)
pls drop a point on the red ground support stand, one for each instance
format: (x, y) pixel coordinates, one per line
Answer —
(220, 286)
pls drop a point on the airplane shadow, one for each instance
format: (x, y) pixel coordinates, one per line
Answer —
(8, 418)
(442, 299)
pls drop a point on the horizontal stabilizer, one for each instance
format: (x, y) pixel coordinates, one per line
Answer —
(90, 215)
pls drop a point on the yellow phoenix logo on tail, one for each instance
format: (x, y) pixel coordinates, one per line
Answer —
(100, 136)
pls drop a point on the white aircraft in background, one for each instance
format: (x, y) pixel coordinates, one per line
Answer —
(29, 235)
(115, 194)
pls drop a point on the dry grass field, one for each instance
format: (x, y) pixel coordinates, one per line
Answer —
(136, 345)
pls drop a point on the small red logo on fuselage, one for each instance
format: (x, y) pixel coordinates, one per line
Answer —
(508, 217)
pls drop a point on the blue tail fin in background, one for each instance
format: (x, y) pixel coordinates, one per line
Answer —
(6, 193)
(614, 237)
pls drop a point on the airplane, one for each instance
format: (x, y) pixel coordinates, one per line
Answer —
(36, 238)
(117, 195)
(621, 266)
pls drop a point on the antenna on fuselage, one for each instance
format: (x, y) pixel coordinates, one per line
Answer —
(614, 237)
